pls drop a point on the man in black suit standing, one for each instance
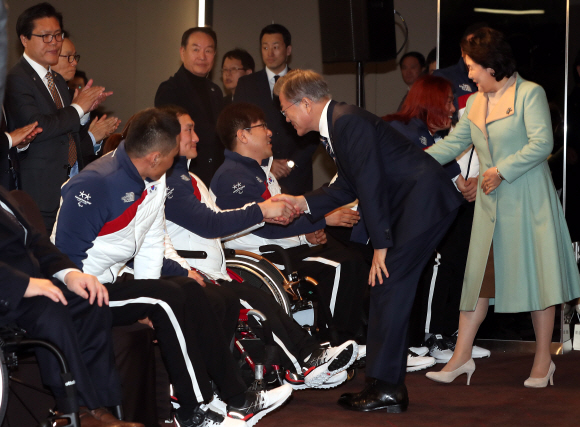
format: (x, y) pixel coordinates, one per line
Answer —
(292, 165)
(406, 204)
(35, 93)
(43, 292)
(190, 88)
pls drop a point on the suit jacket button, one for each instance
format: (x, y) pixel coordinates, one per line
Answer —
(488, 165)
(492, 219)
(209, 160)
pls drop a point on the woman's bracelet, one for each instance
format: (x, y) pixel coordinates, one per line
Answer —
(499, 174)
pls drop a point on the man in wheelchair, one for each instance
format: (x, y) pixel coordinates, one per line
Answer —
(244, 178)
(43, 292)
(113, 212)
(195, 223)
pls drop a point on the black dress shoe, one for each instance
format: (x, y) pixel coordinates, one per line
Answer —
(377, 395)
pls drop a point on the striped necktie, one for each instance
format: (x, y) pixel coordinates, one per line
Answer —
(328, 147)
(72, 149)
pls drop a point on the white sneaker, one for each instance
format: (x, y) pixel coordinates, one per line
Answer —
(419, 351)
(324, 363)
(438, 348)
(217, 405)
(205, 417)
(416, 362)
(478, 352)
(259, 403)
(335, 380)
(362, 352)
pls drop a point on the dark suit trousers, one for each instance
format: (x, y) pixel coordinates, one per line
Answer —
(83, 333)
(391, 303)
(191, 340)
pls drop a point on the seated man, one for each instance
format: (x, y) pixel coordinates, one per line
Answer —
(195, 223)
(111, 213)
(245, 177)
(43, 292)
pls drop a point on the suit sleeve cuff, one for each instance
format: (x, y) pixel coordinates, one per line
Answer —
(81, 113)
(9, 140)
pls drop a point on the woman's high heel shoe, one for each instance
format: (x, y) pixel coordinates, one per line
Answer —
(447, 377)
(541, 382)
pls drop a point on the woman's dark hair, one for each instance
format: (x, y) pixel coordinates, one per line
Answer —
(426, 100)
(235, 117)
(488, 48)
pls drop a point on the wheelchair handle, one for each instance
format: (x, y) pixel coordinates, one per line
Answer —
(192, 254)
(280, 251)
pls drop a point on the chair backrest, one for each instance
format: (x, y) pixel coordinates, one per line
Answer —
(30, 210)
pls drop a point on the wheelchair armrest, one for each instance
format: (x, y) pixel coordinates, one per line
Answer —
(282, 253)
(192, 254)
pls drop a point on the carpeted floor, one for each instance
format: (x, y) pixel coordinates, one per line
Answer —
(496, 397)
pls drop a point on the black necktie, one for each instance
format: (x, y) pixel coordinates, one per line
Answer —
(276, 98)
(328, 147)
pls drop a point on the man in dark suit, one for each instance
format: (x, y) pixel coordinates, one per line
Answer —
(292, 165)
(43, 292)
(406, 203)
(235, 64)
(16, 139)
(191, 89)
(35, 93)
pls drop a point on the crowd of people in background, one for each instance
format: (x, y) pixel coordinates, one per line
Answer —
(423, 191)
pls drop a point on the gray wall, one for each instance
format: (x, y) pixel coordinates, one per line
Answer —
(128, 46)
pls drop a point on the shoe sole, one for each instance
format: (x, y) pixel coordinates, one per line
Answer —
(420, 367)
(254, 420)
(391, 409)
(341, 361)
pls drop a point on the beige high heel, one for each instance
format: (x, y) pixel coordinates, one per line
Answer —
(447, 377)
(542, 382)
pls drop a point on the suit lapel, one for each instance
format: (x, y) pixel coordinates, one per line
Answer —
(264, 86)
(478, 111)
(505, 106)
(38, 83)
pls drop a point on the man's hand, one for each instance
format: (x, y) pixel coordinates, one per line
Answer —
(280, 168)
(278, 211)
(192, 274)
(342, 217)
(44, 287)
(316, 238)
(87, 287)
(90, 97)
(378, 267)
(468, 187)
(297, 202)
(24, 136)
(146, 322)
(103, 127)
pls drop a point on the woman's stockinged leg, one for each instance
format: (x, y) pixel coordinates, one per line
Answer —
(543, 321)
(469, 322)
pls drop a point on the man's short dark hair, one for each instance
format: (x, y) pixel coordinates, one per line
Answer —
(241, 55)
(277, 29)
(152, 130)
(417, 55)
(489, 48)
(431, 57)
(25, 22)
(175, 110)
(205, 30)
(235, 117)
(82, 75)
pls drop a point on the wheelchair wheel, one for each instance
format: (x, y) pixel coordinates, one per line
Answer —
(3, 386)
(261, 274)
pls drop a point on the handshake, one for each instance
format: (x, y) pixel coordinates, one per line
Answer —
(283, 209)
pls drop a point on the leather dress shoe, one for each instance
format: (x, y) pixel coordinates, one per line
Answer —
(376, 396)
(101, 417)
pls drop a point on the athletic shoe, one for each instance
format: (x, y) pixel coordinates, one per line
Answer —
(259, 402)
(296, 381)
(416, 362)
(438, 348)
(326, 362)
(362, 352)
(335, 380)
(476, 351)
(205, 417)
(218, 406)
(419, 351)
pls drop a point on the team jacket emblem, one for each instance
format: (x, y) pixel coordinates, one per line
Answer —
(259, 180)
(184, 177)
(83, 199)
(465, 87)
(423, 140)
(129, 197)
(169, 193)
(238, 188)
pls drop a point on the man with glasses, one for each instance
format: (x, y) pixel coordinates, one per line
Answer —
(191, 89)
(92, 137)
(235, 64)
(292, 164)
(34, 93)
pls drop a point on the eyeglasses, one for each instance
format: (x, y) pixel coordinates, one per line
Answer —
(47, 38)
(232, 70)
(71, 58)
(285, 109)
(264, 125)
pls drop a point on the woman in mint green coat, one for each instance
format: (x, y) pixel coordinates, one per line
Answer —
(517, 211)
